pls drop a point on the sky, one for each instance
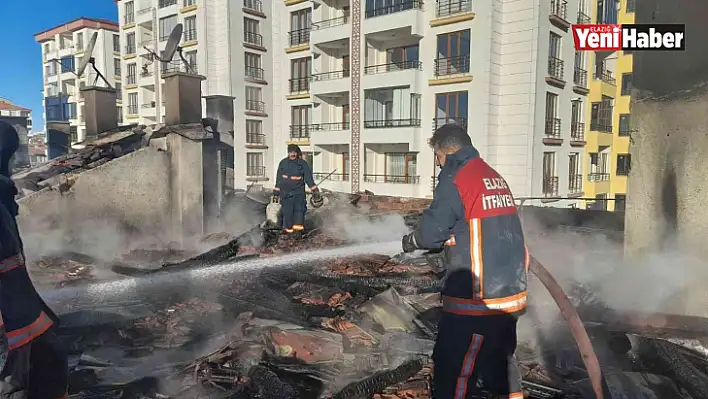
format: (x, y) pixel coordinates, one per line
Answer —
(21, 72)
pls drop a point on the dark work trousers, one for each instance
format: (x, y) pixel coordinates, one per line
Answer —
(38, 370)
(292, 207)
(474, 355)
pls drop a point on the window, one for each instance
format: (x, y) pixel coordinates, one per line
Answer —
(453, 53)
(47, 48)
(554, 46)
(451, 108)
(601, 115)
(116, 44)
(120, 115)
(116, 66)
(251, 32)
(626, 84)
(415, 106)
(132, 103)
(130, 43)
(191, 57)
(50, 69)
(345, 116)
(166, 3)
(253, 66)
(300, 24)
(190, 29)
(623, 164)
(254, 164)
(550, 180)
(606, 12)
(253, 99)
(129, 12)
(575, 179)
(620, 202)
(346, 165)
(80, 41)
(402, 55)
(624, 125)
(254, 132)
(166, 26)
(300, 70)
(631, 5)
(188, 3)
(119, 91)
(70, 110)
(67, 64)
(401, 167)
(130, 78)
(300, 117)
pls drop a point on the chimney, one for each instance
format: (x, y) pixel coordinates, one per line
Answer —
(58, 139)
(183, 98)
(100, 110)
(221, 109)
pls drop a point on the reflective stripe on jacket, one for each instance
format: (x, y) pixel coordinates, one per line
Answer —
(292, 175)
(474, 217)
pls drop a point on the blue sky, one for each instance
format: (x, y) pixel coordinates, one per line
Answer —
(21, 72)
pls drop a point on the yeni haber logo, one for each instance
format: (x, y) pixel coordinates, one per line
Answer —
(613, 37)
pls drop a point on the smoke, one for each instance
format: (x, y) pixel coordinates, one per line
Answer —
(356, 227)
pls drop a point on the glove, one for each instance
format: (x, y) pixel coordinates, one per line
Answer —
(408, 243)
(276, 193)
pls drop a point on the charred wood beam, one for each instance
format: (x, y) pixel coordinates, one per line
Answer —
(363, 389)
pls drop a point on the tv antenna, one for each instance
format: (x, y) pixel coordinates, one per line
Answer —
(88, 59)
(171, 47)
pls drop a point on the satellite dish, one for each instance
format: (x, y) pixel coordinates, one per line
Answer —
(173, 47)
(89, 50)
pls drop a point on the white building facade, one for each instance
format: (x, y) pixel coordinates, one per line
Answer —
(62, 52)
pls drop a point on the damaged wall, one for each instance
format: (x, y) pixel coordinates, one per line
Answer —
(125, 195)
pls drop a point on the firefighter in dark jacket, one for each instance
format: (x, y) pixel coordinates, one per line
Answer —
(37, 366)
(293, 173)
(473, 217)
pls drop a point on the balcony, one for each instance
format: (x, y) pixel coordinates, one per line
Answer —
(330, 133)
(550, 187)
(580, 81)
(559, 14)
(144, 11)
(575, 184)
(146, 74)
(331, 82)
(583, 18)
(449, 120)
(598, 126)
(402, 17)
(298, 38)
(166, 3)
(253, 7)
(395, 74)
(391, 123)
(255, 106)
(300, 85)
(553, 131)
(331, 177)
(393, 67)
(255, 73)
(330, 30)
(448, 8)
(555, 72)
(255, 140)
(257, 172)
(606, 76)
(189, 36)
(300, 132)
(577, 134)
(254, 39)
(598, 177)
(391, 179)
(397, 7)
(452, 66)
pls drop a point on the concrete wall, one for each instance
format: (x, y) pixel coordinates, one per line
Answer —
(107, 207)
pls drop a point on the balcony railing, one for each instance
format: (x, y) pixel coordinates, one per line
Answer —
(190, 35)
(300, 85)
(396, 179)
(577, 131)
(166, 3)
(452, 65)
(452, 7)
(132, 109)
(255, 139)
(300, 131)
(298, 37)
(393, 67)
(253, 38)
(128, 19)
(559, 8)
(386, 123)
(583, 18)
(318, 77)
(555, 68)
(150, 104)
(606, 76)
(575, 183)
(169, 67)
(145, 10)
(253, 5)
(440, 122)
(328, 23)
(146, 42)
(328, 127)
(255, 106)
(597, 177)
(550, 186)
(601, 127)
(255, 171)
(398, 6)
(553, 128)
(333, 177)
(255, 73)
(129, 50)
(580, 77)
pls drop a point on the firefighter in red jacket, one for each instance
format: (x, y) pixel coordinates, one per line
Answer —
(37, 366)
(473, 216)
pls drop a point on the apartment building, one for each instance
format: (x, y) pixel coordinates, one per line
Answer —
(608, 134)
(362, 86)
(21, 119)
(62, 51)
(224, 41)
